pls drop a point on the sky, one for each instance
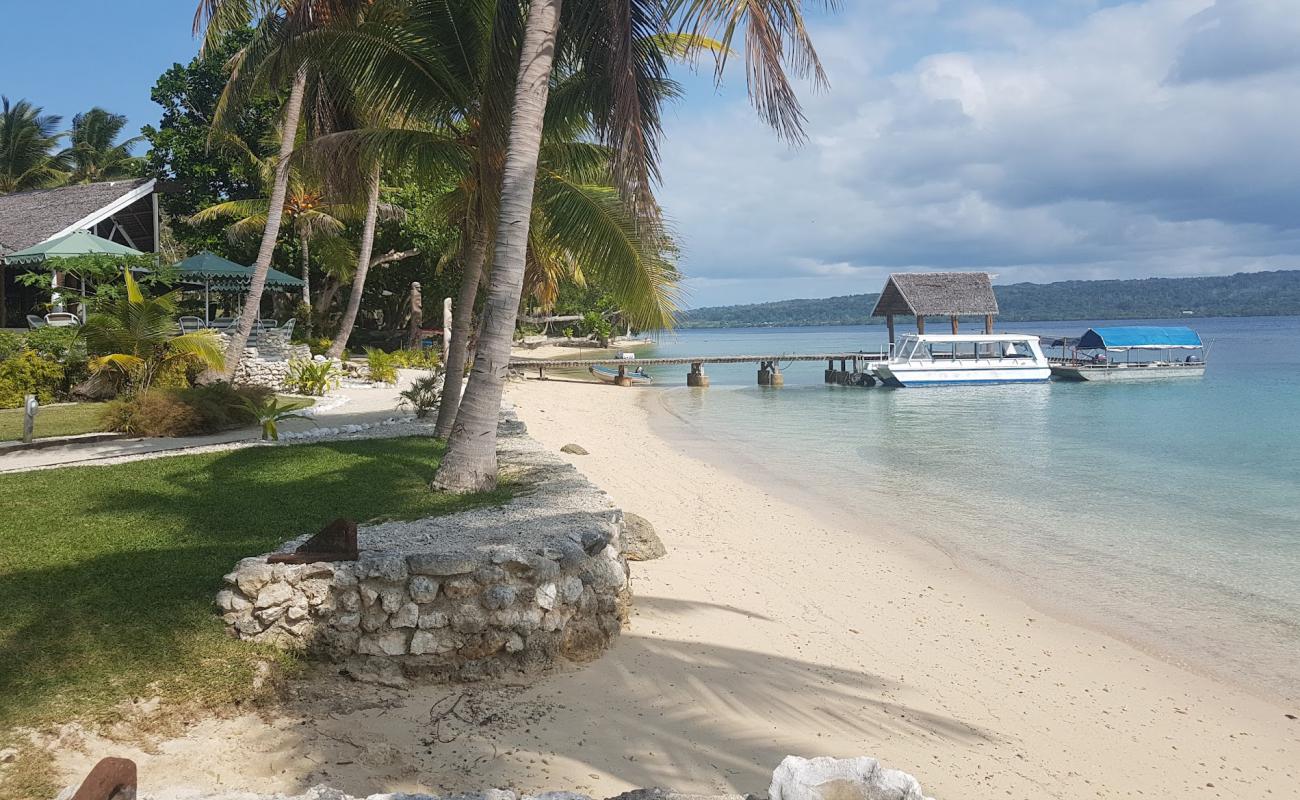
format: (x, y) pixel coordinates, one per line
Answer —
(1039, 140)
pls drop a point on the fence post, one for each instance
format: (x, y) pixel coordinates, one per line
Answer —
(30, 407)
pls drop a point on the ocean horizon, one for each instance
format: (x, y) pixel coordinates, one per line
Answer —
(1165, 512)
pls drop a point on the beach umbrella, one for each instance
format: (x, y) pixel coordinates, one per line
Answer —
(69, 245)
(222, 274)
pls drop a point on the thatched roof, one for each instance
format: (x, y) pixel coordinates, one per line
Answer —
(937, 294)
(107, 209)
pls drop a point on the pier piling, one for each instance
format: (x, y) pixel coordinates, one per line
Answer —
(696, 376)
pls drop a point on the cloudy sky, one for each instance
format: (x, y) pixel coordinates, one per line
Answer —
(1040, 139)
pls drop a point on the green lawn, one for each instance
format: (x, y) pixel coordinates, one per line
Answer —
(63, 420)
(107, 574)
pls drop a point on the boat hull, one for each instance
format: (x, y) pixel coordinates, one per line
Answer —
(901, 375)
(607, 375)
(1121, 373)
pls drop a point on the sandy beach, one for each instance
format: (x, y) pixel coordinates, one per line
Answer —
(767, 630)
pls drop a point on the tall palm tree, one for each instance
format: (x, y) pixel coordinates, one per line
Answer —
(27, 148)
(402, 63)
(94, 153)
(275, 22)
(774, 37)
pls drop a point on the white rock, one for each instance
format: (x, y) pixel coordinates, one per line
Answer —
(406, 616)
(273, 595)
(423, 589)
(546, 595)
(434, 642)
(392, 643)
(841, 779)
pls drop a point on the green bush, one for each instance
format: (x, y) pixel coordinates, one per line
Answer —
(184, 412)
(424, 395)
(29, 373)
(11, 344)
(313, 378)
(417, 359)
(60, 344)
(383, 367)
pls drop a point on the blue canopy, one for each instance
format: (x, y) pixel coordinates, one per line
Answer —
(1140, 337)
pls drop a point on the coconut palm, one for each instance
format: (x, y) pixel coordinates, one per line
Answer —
(27, 141)
(275, 23)
(400, 63)
(774, 37)
(134, 337)
(94, 153)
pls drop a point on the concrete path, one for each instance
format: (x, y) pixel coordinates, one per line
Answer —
(360, 406)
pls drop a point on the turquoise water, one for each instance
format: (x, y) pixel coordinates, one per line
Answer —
(1168, 512)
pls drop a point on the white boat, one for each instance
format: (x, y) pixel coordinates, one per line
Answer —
(921, 359)
(1179, 353)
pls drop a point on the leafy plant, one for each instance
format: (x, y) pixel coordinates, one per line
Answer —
(269, 413)
(417, 359)
(29, 372)
(424, 395)
(595, 324)
(184, 412)
(136, 337)
(313, 378)
(383, 367)
(11, 344)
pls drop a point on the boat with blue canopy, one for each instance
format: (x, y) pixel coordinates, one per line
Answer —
(1162, 352)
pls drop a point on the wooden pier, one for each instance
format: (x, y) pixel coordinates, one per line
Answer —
(854, 368)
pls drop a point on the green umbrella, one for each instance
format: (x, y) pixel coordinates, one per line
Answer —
(77, 243)
(213, 271)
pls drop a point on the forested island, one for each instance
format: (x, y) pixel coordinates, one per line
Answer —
(1244, 294)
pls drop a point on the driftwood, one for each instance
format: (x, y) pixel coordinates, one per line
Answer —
(337, 541)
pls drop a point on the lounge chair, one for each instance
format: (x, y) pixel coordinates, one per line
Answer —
(190, 324)
(287, 330)
(222, 323)
(267, 324)
(62, 319)
(35, 322)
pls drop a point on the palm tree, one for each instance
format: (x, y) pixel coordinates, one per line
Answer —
(774, 36)
(92, 152)
(401, 64)
(135, 337)
(27, 141)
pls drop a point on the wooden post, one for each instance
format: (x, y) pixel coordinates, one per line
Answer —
(954, 326)
(110, 778)
(30, 407)
(988, 323)
(622, 379)
(889, 321)
(696, 376)
(920, 324)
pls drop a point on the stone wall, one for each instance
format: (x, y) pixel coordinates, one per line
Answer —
(266, 360)
(463, 596)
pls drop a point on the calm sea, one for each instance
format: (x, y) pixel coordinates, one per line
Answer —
(1166, 512)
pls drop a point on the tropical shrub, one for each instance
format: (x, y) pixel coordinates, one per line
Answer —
(383, 366)
(595, 324)
(135, 337)
(183, 412)
(60, 344)
(27, 373)
(269, 413)
(313, 378)
(11, 344)
(424, 395)
(417, 359)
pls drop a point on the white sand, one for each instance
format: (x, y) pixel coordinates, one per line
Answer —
(766, 631)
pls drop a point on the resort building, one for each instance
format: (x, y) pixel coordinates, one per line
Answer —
(125, 212)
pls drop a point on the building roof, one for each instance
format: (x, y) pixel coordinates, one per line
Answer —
(29, 218)
(936, 294)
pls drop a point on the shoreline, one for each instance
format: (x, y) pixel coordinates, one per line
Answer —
(930, 551)
(765, 631)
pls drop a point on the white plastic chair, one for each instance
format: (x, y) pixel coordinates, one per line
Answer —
(62, 319)
(190, 324)
(35, 322)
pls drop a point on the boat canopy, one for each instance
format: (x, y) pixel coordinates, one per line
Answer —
(1140, 337)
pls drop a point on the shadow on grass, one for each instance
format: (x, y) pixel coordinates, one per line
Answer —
(107, 574)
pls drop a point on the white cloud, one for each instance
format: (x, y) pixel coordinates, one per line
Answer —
(1140, 139)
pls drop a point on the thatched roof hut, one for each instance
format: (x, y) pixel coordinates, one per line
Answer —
(937, 294)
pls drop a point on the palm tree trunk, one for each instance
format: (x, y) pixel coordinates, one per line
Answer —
(292, 111)
(462, 323)
(304, 239)
(471, 461)
(363, 266)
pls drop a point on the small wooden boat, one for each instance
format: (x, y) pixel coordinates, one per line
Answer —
(1097, 362)
(611, 374)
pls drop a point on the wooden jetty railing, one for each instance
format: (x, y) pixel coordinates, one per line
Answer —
(769, 366)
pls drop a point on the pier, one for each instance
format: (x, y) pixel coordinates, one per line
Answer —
(853, 368)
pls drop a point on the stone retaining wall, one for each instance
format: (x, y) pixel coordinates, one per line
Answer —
(266, 360)
(463, 596)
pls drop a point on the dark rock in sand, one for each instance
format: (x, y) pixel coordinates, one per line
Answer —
(574, 449)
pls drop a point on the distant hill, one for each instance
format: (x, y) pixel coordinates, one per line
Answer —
(1246, 294)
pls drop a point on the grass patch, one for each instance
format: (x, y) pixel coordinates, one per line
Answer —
(107, 574)
(61, 420)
